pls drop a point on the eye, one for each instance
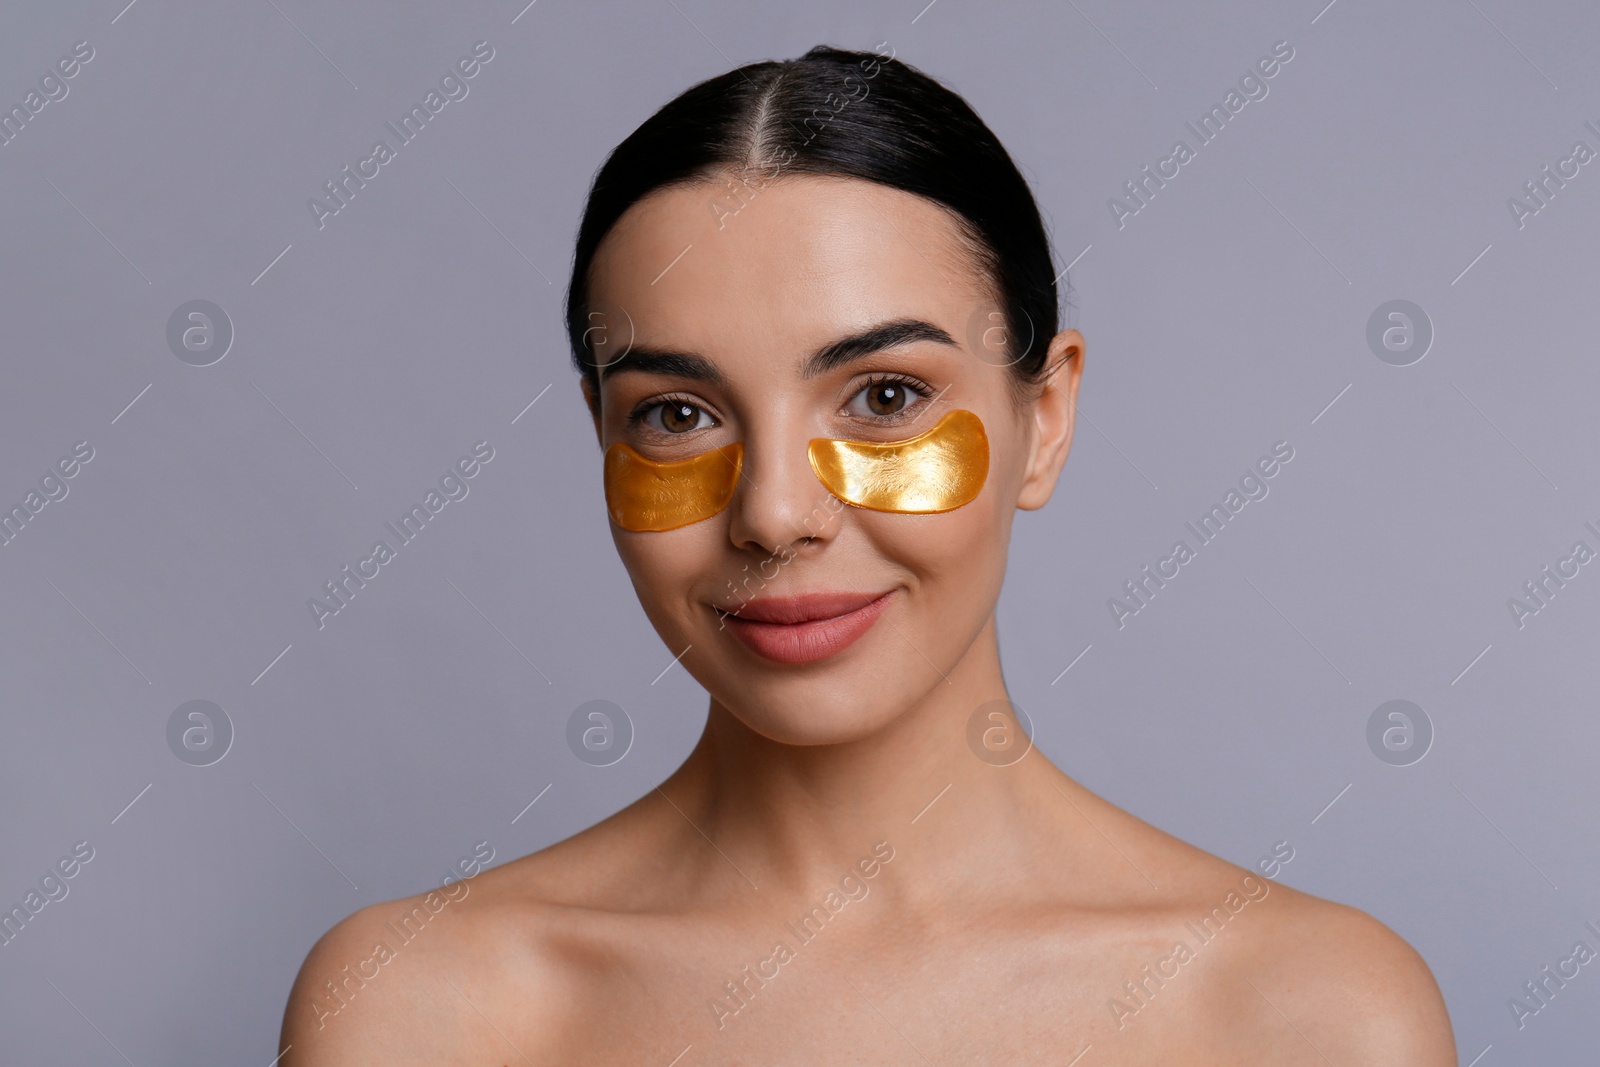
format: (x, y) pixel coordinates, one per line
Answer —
(672, 415)
(889, 396)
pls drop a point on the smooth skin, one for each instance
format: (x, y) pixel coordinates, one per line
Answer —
(1016, 905)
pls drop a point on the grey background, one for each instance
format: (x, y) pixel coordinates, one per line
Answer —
(1227, 315)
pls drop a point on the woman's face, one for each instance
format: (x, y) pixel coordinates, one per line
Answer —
(718, 328)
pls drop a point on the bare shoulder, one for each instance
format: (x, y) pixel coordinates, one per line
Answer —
(1353, 989)
(1288, 976)
(357, 994)
(400, 983)
(481, 969)
(505, 963)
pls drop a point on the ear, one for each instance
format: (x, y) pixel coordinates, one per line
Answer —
(593, 401)
(1054, 415)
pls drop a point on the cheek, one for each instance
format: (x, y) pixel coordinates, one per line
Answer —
(666, 568)
(958, 559)
(951, 553)
(974, 548)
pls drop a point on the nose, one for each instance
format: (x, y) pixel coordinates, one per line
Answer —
(779, 506)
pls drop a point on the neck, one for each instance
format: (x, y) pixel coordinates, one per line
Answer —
(797, 815)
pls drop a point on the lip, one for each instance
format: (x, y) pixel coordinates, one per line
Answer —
(806, 628)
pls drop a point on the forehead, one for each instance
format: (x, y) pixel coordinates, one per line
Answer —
(788, 264)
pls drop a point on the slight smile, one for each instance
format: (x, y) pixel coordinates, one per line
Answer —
(806, 628)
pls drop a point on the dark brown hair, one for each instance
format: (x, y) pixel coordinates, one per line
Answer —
(846, 114)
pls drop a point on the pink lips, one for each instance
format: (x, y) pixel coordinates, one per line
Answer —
(807, 628)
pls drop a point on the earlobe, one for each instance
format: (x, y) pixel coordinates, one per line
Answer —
(1054, 418)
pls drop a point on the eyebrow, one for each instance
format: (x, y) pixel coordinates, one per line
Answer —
(834, 354)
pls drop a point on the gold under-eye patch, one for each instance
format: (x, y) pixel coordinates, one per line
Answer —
(645, 496)
(938, 470)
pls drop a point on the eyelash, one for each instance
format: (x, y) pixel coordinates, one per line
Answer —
(916, 385)
(642, 410)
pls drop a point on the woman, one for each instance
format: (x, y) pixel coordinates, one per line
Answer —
(814, 315)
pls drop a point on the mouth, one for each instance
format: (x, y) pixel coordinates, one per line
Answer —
(807, 628)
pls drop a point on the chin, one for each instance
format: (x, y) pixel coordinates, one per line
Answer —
(790, 713)
(845, 698)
